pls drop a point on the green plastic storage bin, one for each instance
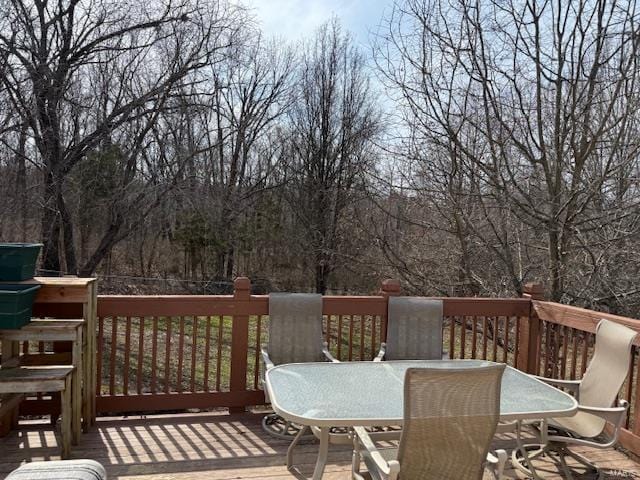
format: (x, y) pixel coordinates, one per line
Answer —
(18, 261)
(16, 303)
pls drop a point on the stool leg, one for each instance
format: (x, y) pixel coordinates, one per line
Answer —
(76, 408)
(66, 411)
(76, 387)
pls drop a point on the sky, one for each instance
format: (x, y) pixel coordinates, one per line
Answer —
(293, 19)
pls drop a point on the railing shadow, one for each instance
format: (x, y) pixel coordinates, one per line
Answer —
(163, 445)
(224, 446)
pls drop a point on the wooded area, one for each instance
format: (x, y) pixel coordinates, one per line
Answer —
(475, 146)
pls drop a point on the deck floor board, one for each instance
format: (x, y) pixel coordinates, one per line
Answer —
(219, 447)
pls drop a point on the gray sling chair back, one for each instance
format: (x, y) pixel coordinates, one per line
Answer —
(295, 336)
(450, 418)
(596, 394)
(414, 330)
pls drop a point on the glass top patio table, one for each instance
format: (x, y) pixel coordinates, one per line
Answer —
(371, 393)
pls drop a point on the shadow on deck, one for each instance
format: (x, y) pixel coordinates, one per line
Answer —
(221, 446)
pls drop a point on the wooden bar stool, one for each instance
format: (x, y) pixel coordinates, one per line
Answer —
(25, 380)
(52, 330)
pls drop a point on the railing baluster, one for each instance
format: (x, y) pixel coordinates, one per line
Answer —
(485, 337)
(574, 354)
(632, 364)
(362, 331)
(256, 369)
(565, 345)
(167, 358)
(452, 337)
(374, 350)
(140, 356)
(127, 353)
(474, 336)
(585, 353)
(541, 357)
(505, 349)
(219, 352)
(180, 353)
(494, 322)
(463, 336)
(100, 354)
(339, 337)
(635, 406)
(328, 332)
(350, 317)
(194, 351)
(154, 355)
(114, 350)
(207, 346)
(548, 351)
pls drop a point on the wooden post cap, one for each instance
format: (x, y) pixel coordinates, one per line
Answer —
(535, 290)
(391, 286)
(242, 283)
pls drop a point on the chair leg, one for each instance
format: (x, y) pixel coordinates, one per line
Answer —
(277, 426)
(526, 457)
(565, 468)
(563, 450)
(501, 462)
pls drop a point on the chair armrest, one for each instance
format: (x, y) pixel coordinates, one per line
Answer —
(265, 358)
(389, 469)
(572, 385)
(381, 353)
(614, 415)
(327, 353)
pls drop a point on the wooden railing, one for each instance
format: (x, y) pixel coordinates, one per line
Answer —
(565, 346)
(179, 352)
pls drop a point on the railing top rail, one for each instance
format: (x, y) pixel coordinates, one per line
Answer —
(580, 318)
(176, 305)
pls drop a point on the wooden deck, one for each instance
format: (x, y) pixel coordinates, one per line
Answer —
(217, 447)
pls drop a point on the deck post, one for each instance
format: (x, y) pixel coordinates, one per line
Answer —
(389, 288)
(528, 340)
(239, 342)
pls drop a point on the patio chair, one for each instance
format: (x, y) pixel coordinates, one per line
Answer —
(295, 336)
(450, 418)
(414, 330)
(596, 394)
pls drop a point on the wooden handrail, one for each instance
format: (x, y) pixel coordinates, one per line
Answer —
(580, 318)
(175, 305)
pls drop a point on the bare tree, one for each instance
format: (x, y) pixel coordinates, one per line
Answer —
(534, 104)
(332, 124)
(250, 93)
(50, 49)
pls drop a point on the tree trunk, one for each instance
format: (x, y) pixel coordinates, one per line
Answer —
(109, 239)
(67, 237)
(322, 276)
(21, 183)
(555, 265)
(230, 262)
(50, 227)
